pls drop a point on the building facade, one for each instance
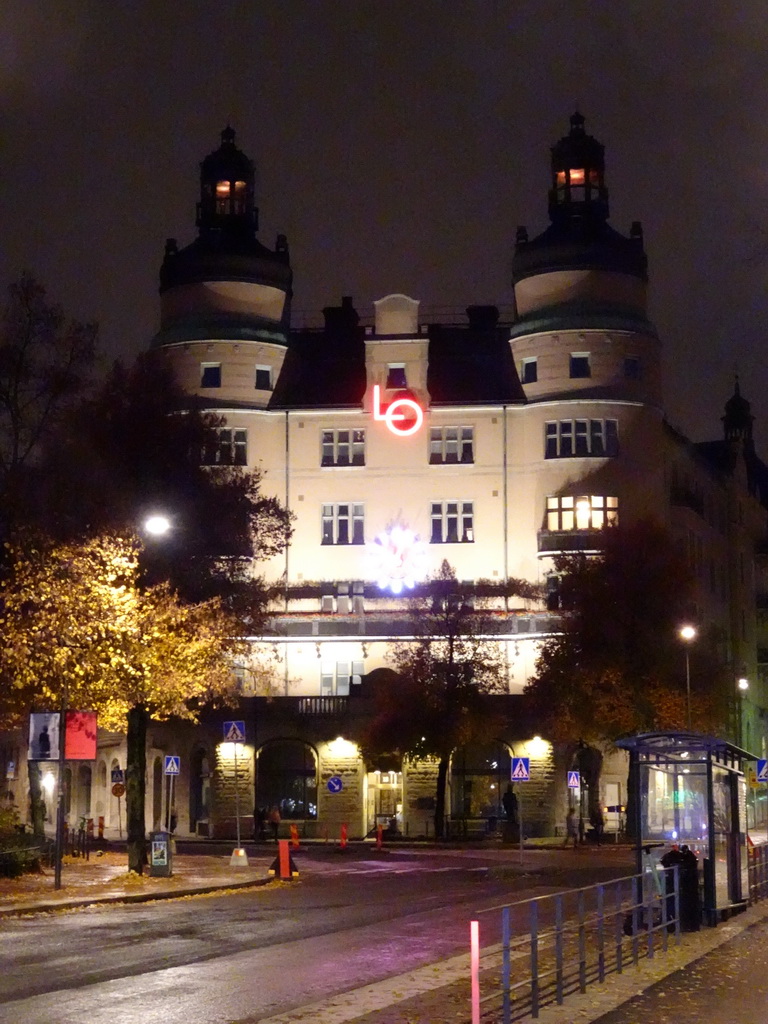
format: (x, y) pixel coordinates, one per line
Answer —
(494, 442)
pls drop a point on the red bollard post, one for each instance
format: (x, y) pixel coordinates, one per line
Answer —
(285, 859)
(295, 836)
(101, 826)
(343, 841)
(379, 831)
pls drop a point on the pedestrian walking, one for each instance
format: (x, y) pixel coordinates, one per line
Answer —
(274, 821)
(509, 802)
(571, 828)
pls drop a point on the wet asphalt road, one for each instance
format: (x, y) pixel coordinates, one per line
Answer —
(252, 954)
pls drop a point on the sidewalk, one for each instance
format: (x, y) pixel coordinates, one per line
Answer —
(104, 878)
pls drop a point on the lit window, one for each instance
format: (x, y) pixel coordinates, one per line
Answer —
(229, 449)
(530, 371)
(342, 448)
(580, 365)
(222, 197)
(263, 378)
(577, 176)
(451, 445)
(335, 680)
(396, 378)
(343, 524)
(582, 438)
(452, 522)
(210, 375)
(582, 512)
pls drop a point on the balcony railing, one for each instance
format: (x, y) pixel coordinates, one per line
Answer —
(322, 705)
(555, 541)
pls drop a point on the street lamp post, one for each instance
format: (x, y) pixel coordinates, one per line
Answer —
(743, 684)
(688, 634)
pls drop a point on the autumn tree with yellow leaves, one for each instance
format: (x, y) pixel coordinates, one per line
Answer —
(80, 631)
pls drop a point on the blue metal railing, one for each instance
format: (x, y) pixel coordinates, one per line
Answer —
(564, 942)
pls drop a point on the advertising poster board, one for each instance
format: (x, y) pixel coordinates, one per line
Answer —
(44, 736)
(80, 736)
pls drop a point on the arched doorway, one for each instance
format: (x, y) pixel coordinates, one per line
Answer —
(100, 805)
(479, 776)
(199, 791)
(84, 782)
(286, 778)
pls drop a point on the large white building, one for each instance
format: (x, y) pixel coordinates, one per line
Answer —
(492, 441)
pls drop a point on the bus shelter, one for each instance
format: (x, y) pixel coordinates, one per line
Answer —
(691, 789)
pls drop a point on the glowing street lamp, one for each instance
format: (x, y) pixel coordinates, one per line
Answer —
(743, 685)
(688, 634)
(157, 525)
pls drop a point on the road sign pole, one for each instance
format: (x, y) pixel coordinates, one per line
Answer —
(520, 819)
(237, 801)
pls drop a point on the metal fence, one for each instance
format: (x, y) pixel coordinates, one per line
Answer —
(552, 946)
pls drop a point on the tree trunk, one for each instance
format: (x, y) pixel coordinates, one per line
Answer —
(590, 761)
(135, 787)
(442, 779)
(36, 800)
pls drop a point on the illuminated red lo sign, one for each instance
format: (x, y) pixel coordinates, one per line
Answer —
(403, 416)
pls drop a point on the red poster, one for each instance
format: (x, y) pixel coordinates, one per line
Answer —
(80, 736)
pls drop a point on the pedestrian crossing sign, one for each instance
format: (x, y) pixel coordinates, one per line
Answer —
(234, 732)
(762, 769)
(521, 769)
(573, 780)
(172, 764)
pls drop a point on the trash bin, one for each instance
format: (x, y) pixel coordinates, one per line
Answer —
(160, 855)
(690, 899)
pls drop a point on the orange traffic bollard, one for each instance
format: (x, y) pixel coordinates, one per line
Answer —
(282, 866)
(343, 842)
(295, 836)
(379, 832)
(101, 826)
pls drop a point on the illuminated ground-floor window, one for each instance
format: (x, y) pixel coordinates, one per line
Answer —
(479, 777)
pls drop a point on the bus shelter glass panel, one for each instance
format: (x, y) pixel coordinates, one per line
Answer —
(674, 802)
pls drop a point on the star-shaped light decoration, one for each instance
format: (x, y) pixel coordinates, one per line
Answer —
(397, 559)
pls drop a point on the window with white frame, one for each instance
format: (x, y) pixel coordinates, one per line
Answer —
(581, 438)
(230, 448)
(343, 524)
(342, 448)
(580, 365)
(263, 378)
(396, 378)
(582, 512)
(451, 445)
(336, 679)
(452, 522)
(529, 371)
(210, 375)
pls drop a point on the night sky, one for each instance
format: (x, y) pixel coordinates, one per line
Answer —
(398, 145)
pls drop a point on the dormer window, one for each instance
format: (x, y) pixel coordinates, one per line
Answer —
(396, 379)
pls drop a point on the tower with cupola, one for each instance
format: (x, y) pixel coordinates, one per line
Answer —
(580, 289)
(226, 297)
